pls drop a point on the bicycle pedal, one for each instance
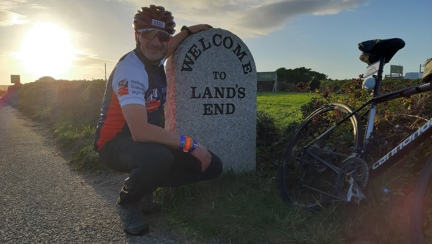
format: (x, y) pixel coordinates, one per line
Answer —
(355, 191)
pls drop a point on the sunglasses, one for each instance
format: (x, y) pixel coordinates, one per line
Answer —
(150, 34)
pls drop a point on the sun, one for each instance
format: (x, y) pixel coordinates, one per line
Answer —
(47, 50)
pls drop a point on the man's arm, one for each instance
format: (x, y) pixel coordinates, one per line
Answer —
(179, 37)
(142, 131)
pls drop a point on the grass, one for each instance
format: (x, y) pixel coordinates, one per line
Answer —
(245, 208)
(284, 107)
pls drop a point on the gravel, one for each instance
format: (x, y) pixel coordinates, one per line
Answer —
(43, 200)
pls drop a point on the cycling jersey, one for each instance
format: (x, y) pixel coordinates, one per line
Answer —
(134, 80)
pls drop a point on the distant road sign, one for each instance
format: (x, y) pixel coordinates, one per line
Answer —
(15, 79)
(266, 76)
(396, 69)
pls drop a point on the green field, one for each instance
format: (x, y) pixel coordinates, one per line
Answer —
(283, 107)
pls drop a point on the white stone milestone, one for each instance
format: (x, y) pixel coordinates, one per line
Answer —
(212, 96)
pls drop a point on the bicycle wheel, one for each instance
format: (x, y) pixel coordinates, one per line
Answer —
(421, 209)
(305, 179)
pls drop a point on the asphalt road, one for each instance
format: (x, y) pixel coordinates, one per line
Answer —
(43, 200)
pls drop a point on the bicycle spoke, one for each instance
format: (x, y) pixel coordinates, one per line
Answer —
(321, 160)
(324, 193)
(315, 156)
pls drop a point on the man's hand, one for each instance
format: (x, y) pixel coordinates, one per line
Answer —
(202, 154)
(197, 28)
(178, 38)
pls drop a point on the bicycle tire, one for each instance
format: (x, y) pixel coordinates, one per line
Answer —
(298, 171)
(421, 207)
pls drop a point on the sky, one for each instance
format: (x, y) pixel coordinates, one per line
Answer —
(84, 39)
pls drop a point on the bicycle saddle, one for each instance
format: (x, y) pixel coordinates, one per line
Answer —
(427, 72)
(373, 50)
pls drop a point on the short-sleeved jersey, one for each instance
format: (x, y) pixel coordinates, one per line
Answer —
(134, 80)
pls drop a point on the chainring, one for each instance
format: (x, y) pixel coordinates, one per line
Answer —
(356, 168)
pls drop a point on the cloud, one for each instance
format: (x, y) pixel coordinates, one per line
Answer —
(85, 61)
(8, 18)
(101, 30)
(14, 12)
(264, 19)
(8, 4)
(251, 18)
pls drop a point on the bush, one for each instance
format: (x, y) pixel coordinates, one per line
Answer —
(72, 108)
(268, 142)
(56, 100)
(265, 85)
(407, 113)
(284, 86)
(334, 86)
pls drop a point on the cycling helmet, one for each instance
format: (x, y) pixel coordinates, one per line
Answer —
(154, 17)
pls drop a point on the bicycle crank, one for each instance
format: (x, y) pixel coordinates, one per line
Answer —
(351, 179)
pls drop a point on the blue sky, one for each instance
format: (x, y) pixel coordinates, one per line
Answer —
(75, 39)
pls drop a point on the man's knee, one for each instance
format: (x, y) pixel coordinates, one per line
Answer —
(149, 156)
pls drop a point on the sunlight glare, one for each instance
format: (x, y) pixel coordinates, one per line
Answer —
(47, 50)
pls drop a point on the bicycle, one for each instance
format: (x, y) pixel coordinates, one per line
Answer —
(326, 159)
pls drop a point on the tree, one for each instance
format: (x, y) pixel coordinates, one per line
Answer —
(297, 75)
(281, 74)
(314, 84)
(46, 79)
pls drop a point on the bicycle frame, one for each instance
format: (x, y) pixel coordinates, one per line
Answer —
(373, 103)
(346, 145)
